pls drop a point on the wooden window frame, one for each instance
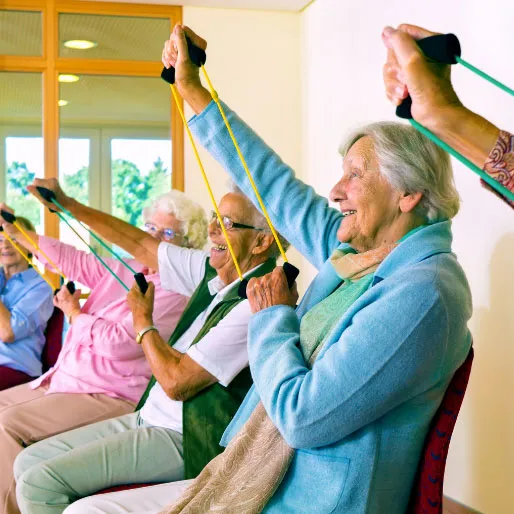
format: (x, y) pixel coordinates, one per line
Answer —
(50, 65)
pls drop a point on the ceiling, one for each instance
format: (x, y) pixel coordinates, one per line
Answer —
(262, 5)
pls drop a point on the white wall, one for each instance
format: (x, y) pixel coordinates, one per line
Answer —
(253, 61)
(342, 58)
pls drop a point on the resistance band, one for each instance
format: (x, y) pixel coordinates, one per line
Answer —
(25, 256)
(445, 49)
(11, 218)
(49, 196)
(198, 57)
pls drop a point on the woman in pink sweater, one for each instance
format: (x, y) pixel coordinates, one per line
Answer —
(101, 372)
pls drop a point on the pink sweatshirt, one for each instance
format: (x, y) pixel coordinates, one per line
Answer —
(100, 353)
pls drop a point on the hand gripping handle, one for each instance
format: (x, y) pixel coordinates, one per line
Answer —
(197, 56)
(291, 273)
(443, 48)
(141, 282)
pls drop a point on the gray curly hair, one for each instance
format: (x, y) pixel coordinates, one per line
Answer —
(412, 163)
(191, 215)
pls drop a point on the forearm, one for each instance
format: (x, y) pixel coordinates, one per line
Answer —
(133, 240)
(6, 333)
(24, 241)
(467, 132)
(198, 97)
(164, 361)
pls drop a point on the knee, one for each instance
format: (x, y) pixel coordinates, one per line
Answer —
(25, 460)
(36, 485)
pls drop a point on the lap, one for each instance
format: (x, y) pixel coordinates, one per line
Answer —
(147, 500)
(115, 452)
(32, 415)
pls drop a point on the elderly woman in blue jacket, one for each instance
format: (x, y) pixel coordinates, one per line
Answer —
(346, 384)
(26, 304)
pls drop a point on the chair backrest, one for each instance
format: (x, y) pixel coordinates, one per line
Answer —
(53, 336)
(427, 492)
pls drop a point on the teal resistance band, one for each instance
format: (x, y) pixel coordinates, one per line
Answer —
(63, 218)
(49, 196)
(445, 48)
(484, 75)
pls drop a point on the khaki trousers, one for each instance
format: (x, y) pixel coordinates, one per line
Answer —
(28, 416)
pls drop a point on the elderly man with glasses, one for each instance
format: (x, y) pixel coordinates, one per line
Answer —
(200, 376)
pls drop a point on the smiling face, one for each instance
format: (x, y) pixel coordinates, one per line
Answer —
(9, 256)
(249, 245)
(370, 205)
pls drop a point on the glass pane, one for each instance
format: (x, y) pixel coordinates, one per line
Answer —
(141, 170)
(74, 179)
(112, 37)
(21, 143)
(20, 33)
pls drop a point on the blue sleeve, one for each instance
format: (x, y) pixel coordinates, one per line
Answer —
(32, 311)
(303, 217)
(392, 350)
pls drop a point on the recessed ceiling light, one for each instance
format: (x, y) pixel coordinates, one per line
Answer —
(68, 78)
(80, 44)
(62, 103)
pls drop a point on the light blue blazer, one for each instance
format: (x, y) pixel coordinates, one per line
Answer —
(359, 417)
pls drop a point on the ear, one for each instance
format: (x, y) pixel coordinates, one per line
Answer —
(263, 243)
(409, 201)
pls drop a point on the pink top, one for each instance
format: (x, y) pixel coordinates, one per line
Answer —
(100, 353)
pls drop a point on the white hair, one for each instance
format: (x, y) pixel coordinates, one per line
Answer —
(412, 163)
(258, 220)
(191, 215)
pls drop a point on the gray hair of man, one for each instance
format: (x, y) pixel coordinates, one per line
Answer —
(190, 214)
(412, 163)
(257, 219)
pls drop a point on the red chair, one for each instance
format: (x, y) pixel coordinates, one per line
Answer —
(53, 336)
(427, 492)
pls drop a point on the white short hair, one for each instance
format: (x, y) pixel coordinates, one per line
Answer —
(191, 215)
(258, 220)
(412, 163)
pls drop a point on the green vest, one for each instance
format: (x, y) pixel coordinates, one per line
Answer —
(206, 415)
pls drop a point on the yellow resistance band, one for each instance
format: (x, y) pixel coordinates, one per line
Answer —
(215, 97)
(38, 248)
(22, 253)
(206, 180)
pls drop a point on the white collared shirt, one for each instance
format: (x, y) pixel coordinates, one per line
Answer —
(222, 351)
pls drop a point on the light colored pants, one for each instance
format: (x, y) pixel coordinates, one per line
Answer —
(27, 416)
(147, 500)
(56, 472)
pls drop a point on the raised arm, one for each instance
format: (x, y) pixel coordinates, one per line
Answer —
(133, 240)
(436, 106)
(299, 214)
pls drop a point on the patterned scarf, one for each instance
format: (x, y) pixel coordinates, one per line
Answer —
(245, 476)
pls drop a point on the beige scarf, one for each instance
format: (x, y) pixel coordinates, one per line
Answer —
(245, 476)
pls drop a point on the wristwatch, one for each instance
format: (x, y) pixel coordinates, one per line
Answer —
(141, 333)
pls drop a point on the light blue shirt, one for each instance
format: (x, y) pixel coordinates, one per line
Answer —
(30, 301)
(359, 417)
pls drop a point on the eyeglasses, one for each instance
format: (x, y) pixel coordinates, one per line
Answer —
(229, 224)
(168, 234)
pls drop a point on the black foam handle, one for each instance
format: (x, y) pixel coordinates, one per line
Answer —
(10, 218)
(197, 56)
(443, 48)
(46, 194)
(141, 282)
(70, 286)
(291, 273)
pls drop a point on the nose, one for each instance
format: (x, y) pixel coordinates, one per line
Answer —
(338, 192)
(213, 227)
